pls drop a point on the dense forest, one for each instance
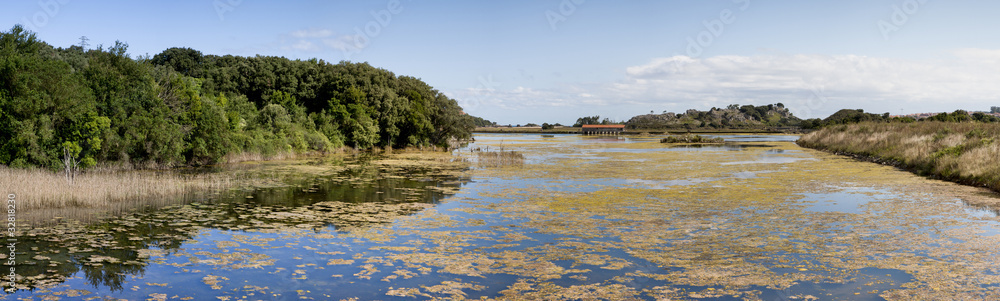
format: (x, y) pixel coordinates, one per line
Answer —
(79, 107)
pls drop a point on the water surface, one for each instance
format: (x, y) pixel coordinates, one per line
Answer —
(757, 218)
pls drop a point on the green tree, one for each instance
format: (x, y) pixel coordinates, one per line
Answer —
(360, 128)
(187, 61)
(83, 143)
(210, 135)
(587, 120)
(183, 107)
(42, 101)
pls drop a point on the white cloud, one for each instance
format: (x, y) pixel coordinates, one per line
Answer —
(303, 45)
(318, 40)
(312, 33)
(518, 98)
(812, 86)
(343, 42)
(819, 84)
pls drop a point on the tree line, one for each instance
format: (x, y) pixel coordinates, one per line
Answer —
(78, 106)
(733, 116)
(849, 116)
(591, 120)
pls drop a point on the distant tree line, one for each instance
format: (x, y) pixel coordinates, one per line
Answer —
(549, 126)
(849, 116)
(591, 120)
(83, 106)
(480, 122)
(731, 117)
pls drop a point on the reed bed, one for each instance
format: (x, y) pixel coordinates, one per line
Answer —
(498, 158)
(256, 156)
(967, 153)
(42, 194)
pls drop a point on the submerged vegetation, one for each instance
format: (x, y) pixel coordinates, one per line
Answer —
(967, 152)
(691, 139)
(81, 107)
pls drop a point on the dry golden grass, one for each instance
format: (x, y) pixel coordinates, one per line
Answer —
(42, 194)
(963, 152)
(109, 190)
(248, 156)
(499, 158)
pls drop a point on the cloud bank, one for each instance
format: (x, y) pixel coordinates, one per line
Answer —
(813, 86)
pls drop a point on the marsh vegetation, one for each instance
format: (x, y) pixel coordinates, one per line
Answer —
(107, 193)
(965, 152)
(497, 157)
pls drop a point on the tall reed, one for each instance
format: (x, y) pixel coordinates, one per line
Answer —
(497, 158)
(40, 191)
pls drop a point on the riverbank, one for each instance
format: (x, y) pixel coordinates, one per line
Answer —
(966, 153)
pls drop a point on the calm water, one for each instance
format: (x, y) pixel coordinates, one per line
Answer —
(757, 218)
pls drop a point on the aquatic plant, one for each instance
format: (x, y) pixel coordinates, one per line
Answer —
(498, 157)
(48, 190)
(560, 227)
(691, 139)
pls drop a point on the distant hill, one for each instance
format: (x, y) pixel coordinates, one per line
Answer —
(731, 117)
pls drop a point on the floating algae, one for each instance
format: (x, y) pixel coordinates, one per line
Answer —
(583, 218)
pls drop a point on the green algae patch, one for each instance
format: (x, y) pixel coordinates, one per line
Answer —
(581, 219)
(739, 232)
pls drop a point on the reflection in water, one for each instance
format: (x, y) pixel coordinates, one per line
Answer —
(110, 253)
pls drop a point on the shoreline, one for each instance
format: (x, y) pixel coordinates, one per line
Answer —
(912, 169)
(989, 199)
(959, 153)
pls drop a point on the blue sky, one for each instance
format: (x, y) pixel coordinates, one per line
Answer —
(552, 61)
